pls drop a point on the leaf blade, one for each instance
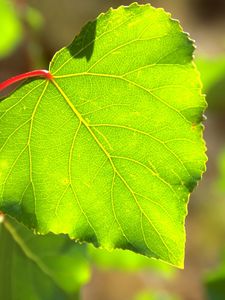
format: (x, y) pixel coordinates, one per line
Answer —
(120, 138)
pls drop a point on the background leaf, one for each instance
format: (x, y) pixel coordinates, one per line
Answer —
(111, 148)
(155, 296)
(215, 282)
(128, 261)
(212, 70)
(213, 78)
(37, 267)
(11, 31)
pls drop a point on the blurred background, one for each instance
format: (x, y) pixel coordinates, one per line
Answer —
(35, 30)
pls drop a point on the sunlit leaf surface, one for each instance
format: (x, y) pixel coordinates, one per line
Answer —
(110, 149)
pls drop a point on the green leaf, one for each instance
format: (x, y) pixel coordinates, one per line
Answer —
(11, 32)
(34, 18)
(215, 283)
(213, 77)
(150, 295)
(36, 267)
(127, 261)
(212, 71)
(110, 149)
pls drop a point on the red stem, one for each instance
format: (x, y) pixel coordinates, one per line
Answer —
(38, 73)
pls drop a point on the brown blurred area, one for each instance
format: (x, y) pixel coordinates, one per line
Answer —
(205, 21)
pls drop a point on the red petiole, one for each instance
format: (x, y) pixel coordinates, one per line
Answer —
(38, 73)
